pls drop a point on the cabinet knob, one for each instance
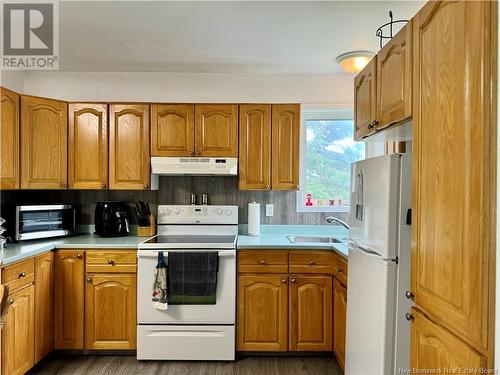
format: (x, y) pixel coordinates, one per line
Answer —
(284, 281)
(409, 317)
(22, 274)
(191, 153)
(293, 280)
(11, 301)
(409, 294)
(146, 186)
(268, 187)
(339, 270)
(111, 261)
(64, 186)
(89, 279)
(262, 261)
(103, 186)
(312, 262)
(79, 256)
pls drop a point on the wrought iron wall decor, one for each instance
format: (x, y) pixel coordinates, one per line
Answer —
(386, 31)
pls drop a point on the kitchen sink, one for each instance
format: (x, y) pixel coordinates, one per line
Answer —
(300, 239)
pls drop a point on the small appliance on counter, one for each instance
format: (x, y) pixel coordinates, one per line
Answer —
(111, 219)
(44, 221)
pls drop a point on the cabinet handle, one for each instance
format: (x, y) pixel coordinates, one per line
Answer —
(111, 261)
(89, 279)
(198, 153)
(268, 187)
(11, 301)
(79, 256)
(103, 186)
(22, 274)
(409, 294)
(283, 281)
(64, 186)
(293, 280)
(312, 262)
(262, 261)
(191, 153)
(409, 317)
(146, 186)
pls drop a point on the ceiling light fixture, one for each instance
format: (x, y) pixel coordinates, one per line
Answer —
(355, 61)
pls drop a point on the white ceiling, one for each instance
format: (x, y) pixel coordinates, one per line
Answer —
(219, 37)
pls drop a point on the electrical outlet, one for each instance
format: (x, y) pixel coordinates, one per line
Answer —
(269, 209)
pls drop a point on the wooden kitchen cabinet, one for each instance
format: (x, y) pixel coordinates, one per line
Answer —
(43, 143)
(110, 311)
(453, 142)
(18, 333)
(69, 299)
(394, 83)
(433, 347)
(310, 313)
(88, 146)
(339, 321)
(44, 305)
(285, 146)
(254, 167)
(216, 130)
(129, 151)
(172, 130)
(365, 100)
(262, 313)
(9, 151)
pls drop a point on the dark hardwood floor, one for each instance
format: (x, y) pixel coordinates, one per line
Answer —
(128, 365)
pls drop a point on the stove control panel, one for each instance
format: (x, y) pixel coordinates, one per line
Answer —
(173, 214)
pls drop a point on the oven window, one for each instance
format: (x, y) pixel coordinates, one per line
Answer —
(43, 221)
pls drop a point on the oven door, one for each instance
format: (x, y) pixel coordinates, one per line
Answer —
(223, 312)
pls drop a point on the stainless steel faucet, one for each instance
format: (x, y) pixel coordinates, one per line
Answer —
(331, 219)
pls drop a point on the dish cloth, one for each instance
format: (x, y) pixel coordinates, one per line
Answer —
(160, 300)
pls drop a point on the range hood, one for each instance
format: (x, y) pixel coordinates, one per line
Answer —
(194, 166)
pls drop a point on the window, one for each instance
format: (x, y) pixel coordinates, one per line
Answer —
(327, 151)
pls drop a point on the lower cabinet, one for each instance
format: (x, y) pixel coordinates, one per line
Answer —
(339, 321)
(18, 333)
(434, 347)
(44, 305)
(311, 313)
(262, 313)
(110, 311)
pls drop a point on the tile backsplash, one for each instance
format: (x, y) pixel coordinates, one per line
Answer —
(176, 190)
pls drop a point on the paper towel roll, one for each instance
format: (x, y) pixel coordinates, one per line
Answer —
(254, 219)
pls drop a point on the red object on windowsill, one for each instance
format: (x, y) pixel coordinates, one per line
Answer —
(309, 202)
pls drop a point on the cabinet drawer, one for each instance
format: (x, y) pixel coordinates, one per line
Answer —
(263, 261)
(19, 274)
(340, 269)
(111, 261)
(312, 262)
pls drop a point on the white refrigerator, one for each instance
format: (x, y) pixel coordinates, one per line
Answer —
(378, 334)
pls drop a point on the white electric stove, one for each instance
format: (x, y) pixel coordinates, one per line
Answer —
(189, 332)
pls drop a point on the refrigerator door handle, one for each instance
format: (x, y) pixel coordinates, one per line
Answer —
(370, 253)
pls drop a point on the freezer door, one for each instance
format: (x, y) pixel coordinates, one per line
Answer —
(374, 212)
(371, 309)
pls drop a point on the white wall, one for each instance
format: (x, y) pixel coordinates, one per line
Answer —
(188, 87)
(12, 79)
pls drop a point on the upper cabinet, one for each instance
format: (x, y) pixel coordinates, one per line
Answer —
(255, 147)
(172, 130)
(285, 146)
(394, 70)
(383, 89)
(9, 151)
(454, 132)
(129, 153)
(365, 100)
(43, 143)
(216, 130)
(88, 146)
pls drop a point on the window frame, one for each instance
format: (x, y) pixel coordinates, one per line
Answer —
(317, 112)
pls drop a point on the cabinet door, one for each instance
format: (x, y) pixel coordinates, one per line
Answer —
(129, 155)
(110, 311)
(17, 333)
(285, 146)
(311, 313)
(255, 147)
(9, 151)
(172, 130)
(394, 82)
(262, 313)
(365, 95)
(339, 321)
(44, 305)
(433, 347)
(216, 130)
(88, 146)
(452, 175)
(69, 299)
(43, 143)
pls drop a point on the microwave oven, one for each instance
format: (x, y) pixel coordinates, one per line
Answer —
(44, 221)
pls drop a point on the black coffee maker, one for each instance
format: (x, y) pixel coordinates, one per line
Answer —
(111, 219)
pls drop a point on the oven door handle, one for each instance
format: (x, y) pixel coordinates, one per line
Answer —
(224, 253)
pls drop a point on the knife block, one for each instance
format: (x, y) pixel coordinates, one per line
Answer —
(148, 231)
